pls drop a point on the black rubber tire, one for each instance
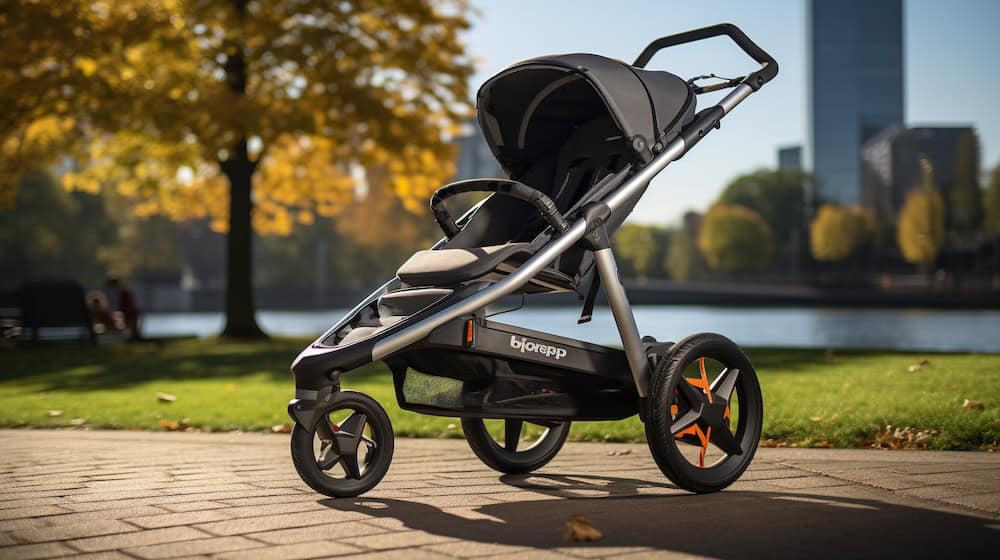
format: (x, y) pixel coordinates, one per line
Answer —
(304, 457)
(663, 446)
(519, 462)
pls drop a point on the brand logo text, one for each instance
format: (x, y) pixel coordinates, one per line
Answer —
(525, 345)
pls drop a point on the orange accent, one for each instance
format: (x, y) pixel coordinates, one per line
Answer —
(468, 332)
(704, 378)
(695, 430)
(704, 448)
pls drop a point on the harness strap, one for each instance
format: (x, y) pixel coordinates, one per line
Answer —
(588, 303)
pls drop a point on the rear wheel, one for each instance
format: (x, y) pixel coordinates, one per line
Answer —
(515, 446)
(349, 449)
(705, 413)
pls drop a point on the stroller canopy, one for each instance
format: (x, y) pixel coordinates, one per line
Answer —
(534, 106)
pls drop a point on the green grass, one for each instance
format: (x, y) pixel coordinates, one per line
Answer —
(811, 399)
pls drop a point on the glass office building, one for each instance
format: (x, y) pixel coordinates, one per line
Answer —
(856, 87)
(790, 158)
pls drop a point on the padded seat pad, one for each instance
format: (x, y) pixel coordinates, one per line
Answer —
(445, 267)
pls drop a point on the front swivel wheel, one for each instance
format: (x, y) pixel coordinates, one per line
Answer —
(348, 450)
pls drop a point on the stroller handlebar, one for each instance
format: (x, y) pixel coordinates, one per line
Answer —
(766, 73)
(542, 203)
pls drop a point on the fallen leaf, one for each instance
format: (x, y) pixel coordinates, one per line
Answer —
(920, 363)
(973, 405)
(170, 425)
(452, 426)
(55, 413)
(165, 397)
(816, 418)
(281, 428)
(902, 438)
(620, 452)
(579, 529)
(78, 421)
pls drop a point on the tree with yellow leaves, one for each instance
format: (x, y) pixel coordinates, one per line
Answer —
(920, 231)
(637, 246)
(734, 238)
(248, 112)
(836, 232)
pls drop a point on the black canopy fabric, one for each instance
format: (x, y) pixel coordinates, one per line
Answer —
(534, 106)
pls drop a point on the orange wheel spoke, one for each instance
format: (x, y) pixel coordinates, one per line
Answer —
(704, 378)
(704, 446)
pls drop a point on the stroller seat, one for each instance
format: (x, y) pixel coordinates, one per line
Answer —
(448, 267)
(445, 267)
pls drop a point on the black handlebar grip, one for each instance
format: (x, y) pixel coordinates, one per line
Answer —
(769, 66)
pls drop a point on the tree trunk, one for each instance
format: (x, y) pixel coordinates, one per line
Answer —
(240, 309)
(241, 321)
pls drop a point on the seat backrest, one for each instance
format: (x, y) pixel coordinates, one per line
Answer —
(565, 174)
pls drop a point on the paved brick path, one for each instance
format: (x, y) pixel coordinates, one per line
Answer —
(162, 495)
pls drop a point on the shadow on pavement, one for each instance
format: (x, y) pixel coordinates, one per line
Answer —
(729, 524)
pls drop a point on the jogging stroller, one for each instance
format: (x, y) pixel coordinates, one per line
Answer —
(580, 136)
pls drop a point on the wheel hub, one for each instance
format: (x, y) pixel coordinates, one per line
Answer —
(706, 418)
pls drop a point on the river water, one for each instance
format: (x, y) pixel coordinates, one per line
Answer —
(806, 327)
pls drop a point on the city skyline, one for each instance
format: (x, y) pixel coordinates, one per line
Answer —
(944, 48)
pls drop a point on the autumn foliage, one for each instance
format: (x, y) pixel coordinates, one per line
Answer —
(921, 227)
(224, 110)
(836, 232)
(735, 238)
(138, 93)
(920, 231)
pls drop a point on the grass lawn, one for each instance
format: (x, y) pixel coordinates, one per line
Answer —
(811, 399)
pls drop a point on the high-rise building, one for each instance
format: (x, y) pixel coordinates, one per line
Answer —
(790, 158)
(856, 87)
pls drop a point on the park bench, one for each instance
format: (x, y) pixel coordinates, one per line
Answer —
(54, 310)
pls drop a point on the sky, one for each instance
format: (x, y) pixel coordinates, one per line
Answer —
(951, 58)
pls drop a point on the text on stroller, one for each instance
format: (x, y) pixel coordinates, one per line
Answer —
(525, 345)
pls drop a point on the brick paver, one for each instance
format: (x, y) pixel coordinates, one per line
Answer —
(166, 495)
